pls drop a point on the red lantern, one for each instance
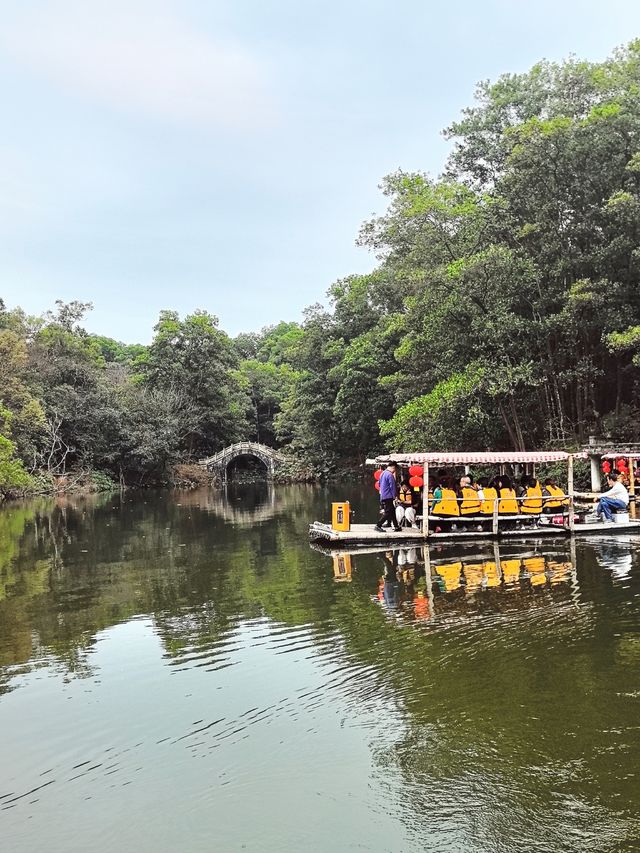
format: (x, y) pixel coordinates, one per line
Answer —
(606, 467)
(377, 474)
(415, 471)
(377, 486)
(621, 465)
(416, 482)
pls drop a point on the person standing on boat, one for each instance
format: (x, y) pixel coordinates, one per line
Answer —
(388, 496)
(616, 497)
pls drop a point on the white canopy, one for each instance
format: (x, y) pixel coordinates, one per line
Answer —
(475, 458)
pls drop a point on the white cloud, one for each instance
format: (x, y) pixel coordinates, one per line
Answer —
(141, 57)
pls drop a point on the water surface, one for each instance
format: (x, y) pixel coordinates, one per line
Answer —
(181, 671)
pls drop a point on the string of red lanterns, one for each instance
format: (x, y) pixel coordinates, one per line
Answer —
(415, 477)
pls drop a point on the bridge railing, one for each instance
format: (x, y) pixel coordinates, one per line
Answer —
(241, 448)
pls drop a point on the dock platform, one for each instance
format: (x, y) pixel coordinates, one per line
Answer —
(366, 534)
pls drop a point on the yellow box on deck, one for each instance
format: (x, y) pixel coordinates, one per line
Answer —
(341, 516)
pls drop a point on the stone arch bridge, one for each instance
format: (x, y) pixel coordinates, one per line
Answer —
(220, 461)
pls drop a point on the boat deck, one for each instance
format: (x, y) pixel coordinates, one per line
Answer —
(366, 534)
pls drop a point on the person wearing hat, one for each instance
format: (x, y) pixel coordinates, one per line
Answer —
(388, 496)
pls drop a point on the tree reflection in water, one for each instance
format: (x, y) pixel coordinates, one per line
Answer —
(513, 671)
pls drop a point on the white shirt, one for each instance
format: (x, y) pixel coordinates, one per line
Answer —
(618, 492)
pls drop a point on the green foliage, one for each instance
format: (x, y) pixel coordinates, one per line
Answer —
(453, 408)
(502, 313)
(13, 477)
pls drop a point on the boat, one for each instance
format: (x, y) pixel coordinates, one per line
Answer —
(567, 521)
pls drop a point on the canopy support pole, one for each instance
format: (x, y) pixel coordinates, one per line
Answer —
(494, 521)
(632, 490)
(570, 490)
(596, 478)
(425, 499)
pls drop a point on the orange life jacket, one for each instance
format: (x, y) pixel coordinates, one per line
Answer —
(405, 496)
(470, 501)
(490, 496)
(508, 504)
(447, 505)
(557, 498)
(532, 504)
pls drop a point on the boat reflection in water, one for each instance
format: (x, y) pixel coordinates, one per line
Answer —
(422, 584)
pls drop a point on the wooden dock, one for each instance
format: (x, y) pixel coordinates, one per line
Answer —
(366, 534)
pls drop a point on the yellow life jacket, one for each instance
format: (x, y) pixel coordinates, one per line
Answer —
(555, 502)
(447, 505)
(470, 501)
(533, 501)
(508, 504)
(490, 495)
(405, 496)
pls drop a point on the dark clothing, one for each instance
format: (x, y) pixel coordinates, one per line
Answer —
(389, 515)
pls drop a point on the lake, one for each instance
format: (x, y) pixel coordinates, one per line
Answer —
(182, 672)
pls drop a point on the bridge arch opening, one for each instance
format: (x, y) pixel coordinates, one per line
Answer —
(248, 466)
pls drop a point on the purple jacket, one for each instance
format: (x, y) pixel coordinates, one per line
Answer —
(388, 486)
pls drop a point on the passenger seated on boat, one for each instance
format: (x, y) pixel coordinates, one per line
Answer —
(488, 495)
(470, 504)
(554, 498)
(445, 500)
(532, 503)
(614, 499)
(508, 504)
(405, 512)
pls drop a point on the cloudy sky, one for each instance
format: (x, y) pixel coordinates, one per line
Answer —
(221, 155)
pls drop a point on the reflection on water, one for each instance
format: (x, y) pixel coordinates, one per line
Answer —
(425, 583)
(181, 671)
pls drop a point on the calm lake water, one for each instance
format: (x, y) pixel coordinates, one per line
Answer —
(182, 672)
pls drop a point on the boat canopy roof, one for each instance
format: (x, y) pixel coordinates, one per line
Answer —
(621, 454)
(473, 458)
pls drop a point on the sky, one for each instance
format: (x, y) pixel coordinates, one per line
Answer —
(222, 155)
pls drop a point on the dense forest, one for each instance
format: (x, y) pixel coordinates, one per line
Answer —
(504, 312)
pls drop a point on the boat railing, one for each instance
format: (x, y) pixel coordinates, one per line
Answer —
(566, 510)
